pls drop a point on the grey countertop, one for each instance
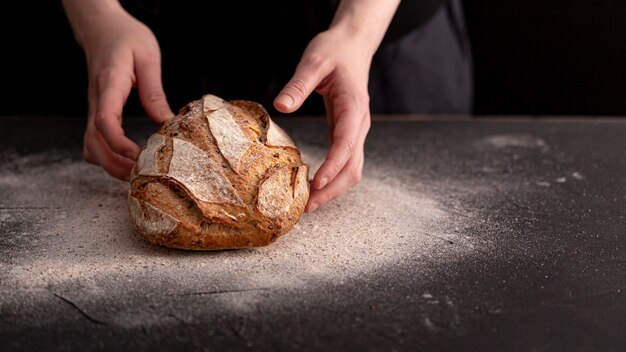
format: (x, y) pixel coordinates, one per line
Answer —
(473, 235)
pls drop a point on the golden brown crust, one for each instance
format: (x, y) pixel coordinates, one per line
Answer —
(219, 175)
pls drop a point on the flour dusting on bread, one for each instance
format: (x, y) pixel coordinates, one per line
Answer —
(211, 103)
(275, 194)
(277, 137)
(231, 141)
(153, 219)
(146, 163)
(192, 167)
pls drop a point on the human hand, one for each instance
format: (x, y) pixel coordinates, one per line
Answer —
(337, 67)
(336, 64)
(121, 53)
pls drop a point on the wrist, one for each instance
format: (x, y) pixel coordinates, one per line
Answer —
(364, 21)
(84, 15)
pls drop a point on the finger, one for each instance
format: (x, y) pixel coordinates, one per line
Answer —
(329, 117)
(345, 139)
(113, 89)
(309, 73)
(92, 102)
(349, 176)
(150, 86)
(114, 164)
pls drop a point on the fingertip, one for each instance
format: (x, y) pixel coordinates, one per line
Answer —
(317, 199)
(323, 181)
(326, 174)
(164, 118)
(131, 154)
(116, 166)
(284, 103)
(113, 137)
(120, 174)
(158, 108)
(312, 207)
(125, 147)
(151, 93)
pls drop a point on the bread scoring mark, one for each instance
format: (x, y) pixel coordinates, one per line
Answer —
(301, 185)
(135, 209)
(275, 194)
(231, 140)
(146, 163)
(229, 215)
(211, 103)
(277, 137)
(202, 177)
(153, 220)
(190, 110)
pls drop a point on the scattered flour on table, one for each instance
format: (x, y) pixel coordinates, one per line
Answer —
(521, 140)
(82, 232)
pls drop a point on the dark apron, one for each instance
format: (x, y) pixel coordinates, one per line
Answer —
(423, 65)
(427, 70)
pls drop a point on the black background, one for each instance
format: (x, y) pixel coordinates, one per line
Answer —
(559, 57)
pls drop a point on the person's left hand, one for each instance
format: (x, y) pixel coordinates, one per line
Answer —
(335, 64)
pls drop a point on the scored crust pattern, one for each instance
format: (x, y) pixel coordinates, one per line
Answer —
(230, 138)
(193, 169)
(219, 175)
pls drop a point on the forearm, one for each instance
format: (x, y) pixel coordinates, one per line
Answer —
(83, 14)
(365, 20)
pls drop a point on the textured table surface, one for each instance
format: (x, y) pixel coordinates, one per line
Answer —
(505, 235)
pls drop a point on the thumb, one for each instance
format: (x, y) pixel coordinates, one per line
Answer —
(307, 77)
(151, 92)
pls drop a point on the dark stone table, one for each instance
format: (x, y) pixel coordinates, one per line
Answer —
(464, 235)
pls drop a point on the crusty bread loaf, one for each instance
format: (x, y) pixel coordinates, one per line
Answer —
(219, 175)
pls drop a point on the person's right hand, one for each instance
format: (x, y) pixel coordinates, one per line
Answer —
(121, 53)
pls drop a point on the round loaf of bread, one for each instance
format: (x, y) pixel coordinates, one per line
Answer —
(219, 175)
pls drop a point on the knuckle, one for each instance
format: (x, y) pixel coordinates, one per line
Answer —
(104, 77)
(335, 167)
(348, 145)
(100, 121)
(297, 87)
(317, 61)
(327, 197)
(102, 117)
(157, 96)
